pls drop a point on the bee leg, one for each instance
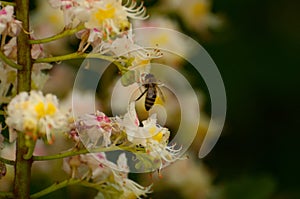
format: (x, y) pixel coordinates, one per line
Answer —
(145, 91)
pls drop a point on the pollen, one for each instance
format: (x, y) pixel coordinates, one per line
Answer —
(40, 109)
(43, 110)
(158, 137)
(103, 14)
(51, 109)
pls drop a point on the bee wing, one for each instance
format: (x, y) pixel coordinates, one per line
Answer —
(161, 94)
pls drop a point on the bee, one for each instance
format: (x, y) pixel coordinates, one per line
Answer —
(151, 89)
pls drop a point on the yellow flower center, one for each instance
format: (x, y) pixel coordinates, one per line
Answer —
(43, 110)
(158, 137)
(103, 14)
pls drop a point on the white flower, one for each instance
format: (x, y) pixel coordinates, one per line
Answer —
(104, 20)
(149, 132)
(125, 47)
(38, 77)
(8, 25)
(95, 129)
(150, 135)
(105, 15)
(36, 115)
(8, 77)
(98, 169)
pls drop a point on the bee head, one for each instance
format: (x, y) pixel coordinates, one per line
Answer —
(149, 78)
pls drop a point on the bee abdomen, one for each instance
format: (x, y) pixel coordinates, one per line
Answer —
(149, 102)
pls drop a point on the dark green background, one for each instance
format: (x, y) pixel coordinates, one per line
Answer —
(258, 56)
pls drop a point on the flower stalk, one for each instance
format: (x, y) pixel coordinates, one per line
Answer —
(54, 187)
(6, 161)
(9, 61)
(80, 55)
(79, 152)
(64, 33)
(6, 3)
(21, 187)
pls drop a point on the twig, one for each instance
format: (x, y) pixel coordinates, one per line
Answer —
(79, 55)
(73, 153)
(64, 33)
(6, 194)
(9, 61)
(6, 161)
(5, 3)
(55, 187)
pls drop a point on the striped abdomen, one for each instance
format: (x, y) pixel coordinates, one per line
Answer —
(150, 96)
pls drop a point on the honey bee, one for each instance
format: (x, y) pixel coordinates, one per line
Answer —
(151, 89)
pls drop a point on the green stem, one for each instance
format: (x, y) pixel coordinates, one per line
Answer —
(5, 3)
(2, 112)
(30, 151)
(5, 100)
(65, 183)
(22, 176)
(64, 33)
(6, 194)
(9, 61)
(73, 153)
(55, 187)
(6, 161)
(79, 55)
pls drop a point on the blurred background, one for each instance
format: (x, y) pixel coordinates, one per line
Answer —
(256, 46)
(258, 56)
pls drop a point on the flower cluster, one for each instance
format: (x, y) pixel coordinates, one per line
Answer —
(150, 136)
(97, 169)
(103, 20)
(9, 29)
(96, 129)
(148, 141)
(36, 115)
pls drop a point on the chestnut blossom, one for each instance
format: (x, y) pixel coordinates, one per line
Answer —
(8, 77)
(108, 16)
(38, 77)
(125, 46)
(95, 129)
(104, 20)
(150, 135)
(8, 24)
(36, 115)
(98, 169)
